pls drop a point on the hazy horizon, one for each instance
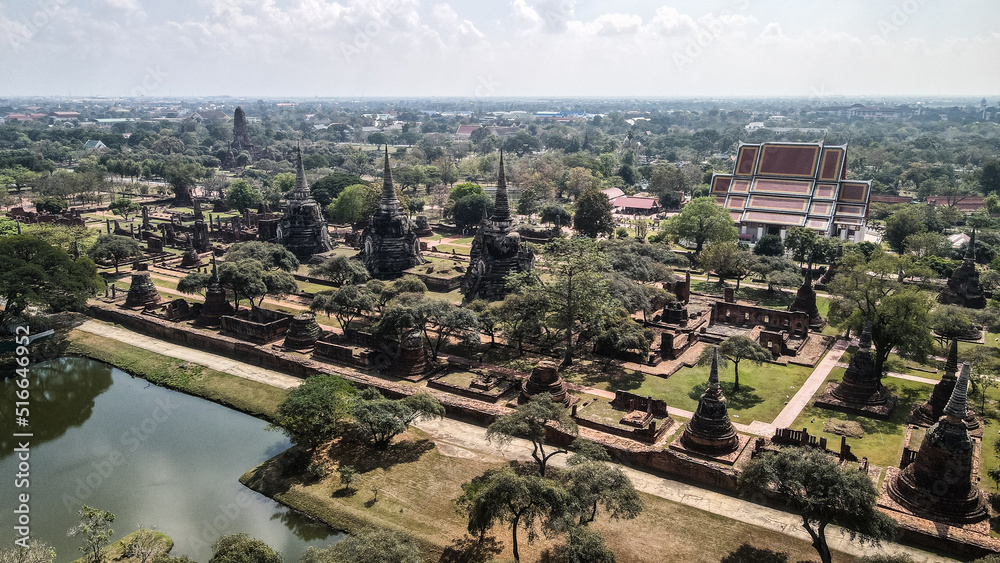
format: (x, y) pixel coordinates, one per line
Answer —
(548, 49)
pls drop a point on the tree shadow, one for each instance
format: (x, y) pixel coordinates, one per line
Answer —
(471, 550)
(743, 399)
(344, 492)
(303, 527)
(366, 457)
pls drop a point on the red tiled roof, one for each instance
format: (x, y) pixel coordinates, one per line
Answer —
(634, 202)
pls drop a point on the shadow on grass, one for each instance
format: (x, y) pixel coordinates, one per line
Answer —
(471, 550)
(366, 457)
(344, 492)
(745, 398)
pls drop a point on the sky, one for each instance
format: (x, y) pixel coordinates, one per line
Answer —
(500, 49)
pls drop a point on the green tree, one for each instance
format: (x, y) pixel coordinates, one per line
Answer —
(528, 421)
(807, 246)
(270, 255)
(593, 214)
(989, 176)
(471, 209)
(124, 207)
(355, 204)
(769, 245)
(380, 419)
(368, 545)
(341, 270)
(35, 552)
(241, 548)
(702, 220)
(736, 349)
(822, 493)
(315, 411)
(346, 304)
(872, 287)
(908, 220)
(448, 320)
(348, 474)
(284, 182)
(51, 204)
(592, 483)
(33, 272)
(327, 188)
(556, 215)
(247, 279)
(777, 271)
(114, 248)
(243, 195)
(501, 496)
(465, 189)
(727, 260)
(521, 315)
(95, 528)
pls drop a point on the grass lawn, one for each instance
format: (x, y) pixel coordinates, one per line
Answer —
(761, 396)
(417, 486)
(883, 441)
(241, 394)
(116, 550)
(464, 250)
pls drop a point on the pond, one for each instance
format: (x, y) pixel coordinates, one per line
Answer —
(154, 457)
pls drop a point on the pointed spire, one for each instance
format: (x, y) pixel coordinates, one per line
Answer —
(866, 334)
(300, 171)
(957, 403)
(501, 207)
(215, 270)
(713, 373)
(951, 365)
(389, 200)
(970, 251)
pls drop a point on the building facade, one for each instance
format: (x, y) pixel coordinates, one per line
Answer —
(776, 186)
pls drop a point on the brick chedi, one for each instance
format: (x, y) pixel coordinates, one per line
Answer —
(710, 431)
(497, 250)
(931, 411)
(303, 332)
(805, 301)
(302, 229)
(938, 483)
(963, 286)
(861, 391)
(142, 291)
(544, 379)
(216, 305)
(390, 245)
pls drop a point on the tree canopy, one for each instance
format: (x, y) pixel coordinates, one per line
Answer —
(702, 220)
(822, 493)
(114, 249)
(315, 411)
(593, 213)
(528, 421)
(33, 272)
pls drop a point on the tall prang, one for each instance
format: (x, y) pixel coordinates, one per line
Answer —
(710, 431)
(390, 245)
(241, 132)
(302, 229)
(939, 484)
(497, 250)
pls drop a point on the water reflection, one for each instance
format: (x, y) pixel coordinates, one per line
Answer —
(62, 394)
(151, 456)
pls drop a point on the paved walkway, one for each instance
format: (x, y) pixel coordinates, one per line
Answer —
(214, 361)
(791, 411)
(460, 439)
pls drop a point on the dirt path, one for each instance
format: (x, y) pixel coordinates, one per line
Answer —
(460, 439)
(798, 402)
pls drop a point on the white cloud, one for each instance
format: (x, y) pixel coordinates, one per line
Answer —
(613, 24)
(671, 22)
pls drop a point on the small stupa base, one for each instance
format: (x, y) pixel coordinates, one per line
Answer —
(879, 406)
